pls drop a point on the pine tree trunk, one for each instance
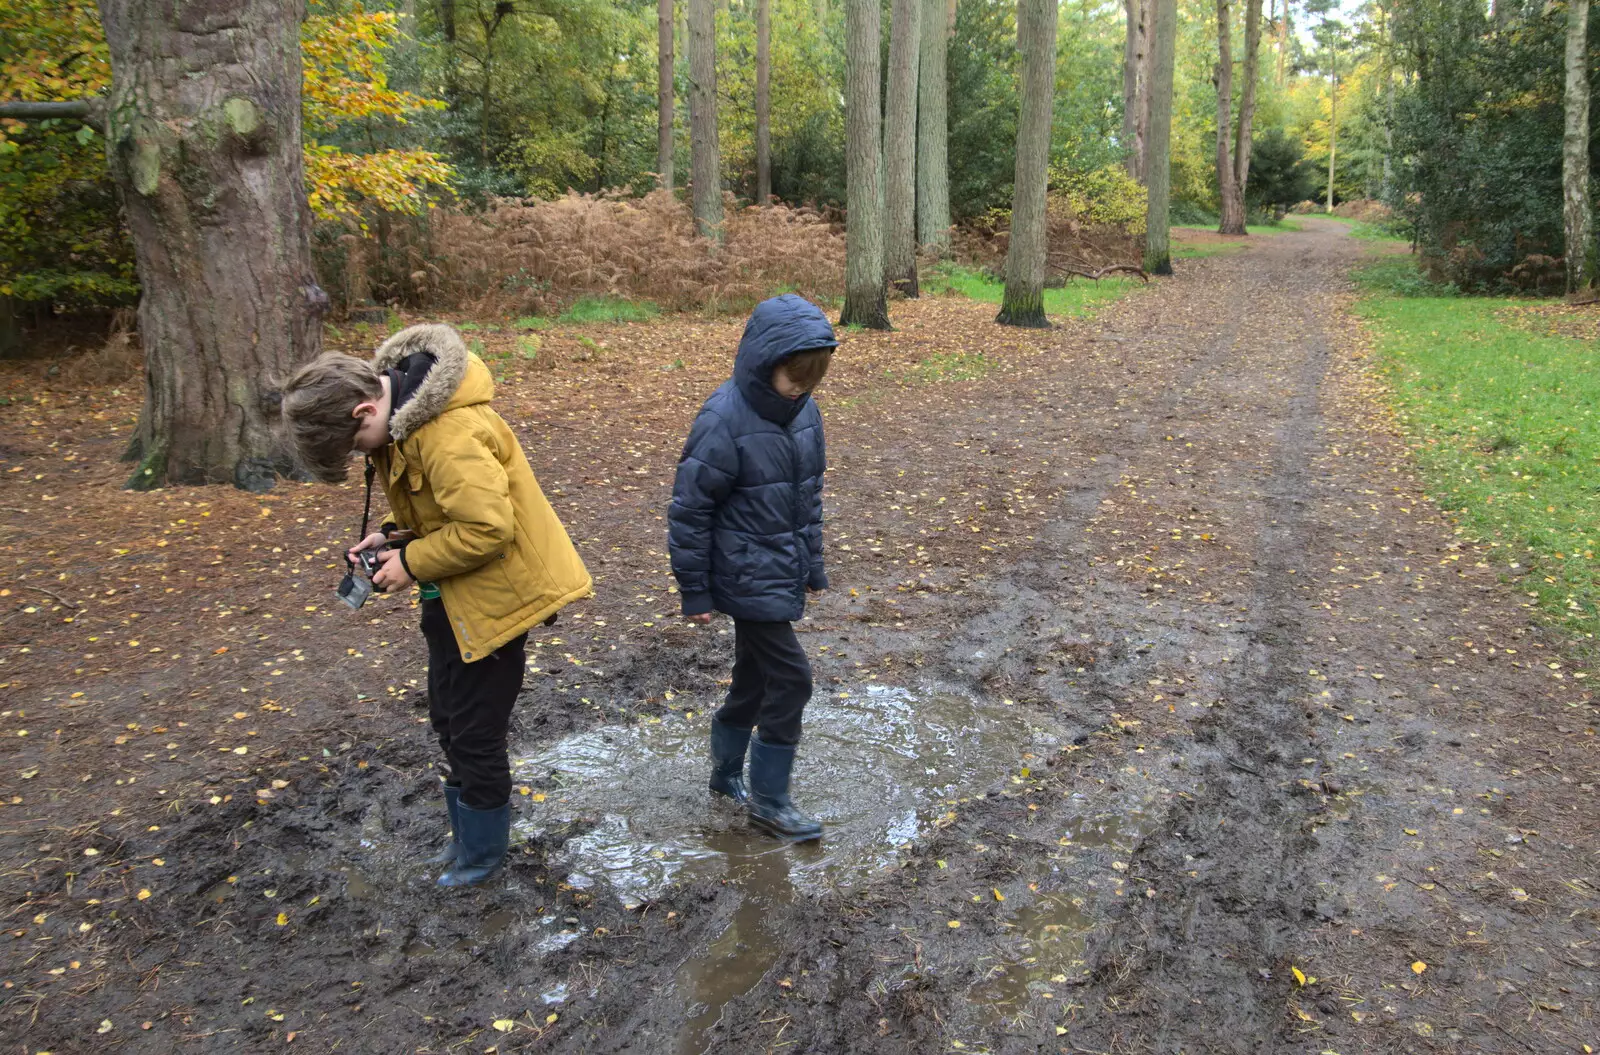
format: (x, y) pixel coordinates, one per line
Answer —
(900, 148)
(763, 102)
(933, 132)
(1023, 303)
(1232, 205)
(1576, 210)
(705, 157)
(865, 300)
(1285, 30)
(1130, 77)
(1158, 153)
(1333, 120)
(1247, 100)
(203, 140)
(1136, 84)
(665, 86)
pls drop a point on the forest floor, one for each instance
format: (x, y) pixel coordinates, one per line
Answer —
(1159, 709)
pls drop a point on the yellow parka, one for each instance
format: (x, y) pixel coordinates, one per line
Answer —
(456, 476)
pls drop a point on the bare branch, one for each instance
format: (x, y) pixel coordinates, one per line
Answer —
(90, 111)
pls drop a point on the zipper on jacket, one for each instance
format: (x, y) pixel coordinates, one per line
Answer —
(802, 551)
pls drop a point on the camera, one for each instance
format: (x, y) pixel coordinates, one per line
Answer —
(354, 589)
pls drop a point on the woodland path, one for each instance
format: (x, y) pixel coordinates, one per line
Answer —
(1295, 724)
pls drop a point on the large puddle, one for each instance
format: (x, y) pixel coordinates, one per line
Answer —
(873, 765)
(876, 765)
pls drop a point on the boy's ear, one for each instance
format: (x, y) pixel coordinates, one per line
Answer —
(364, 410)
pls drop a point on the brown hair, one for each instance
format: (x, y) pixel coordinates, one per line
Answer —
(318, 402)
(807, 368)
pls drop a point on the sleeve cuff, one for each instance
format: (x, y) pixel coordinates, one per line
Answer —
(696, 603)
(818, 579)
(407, 565)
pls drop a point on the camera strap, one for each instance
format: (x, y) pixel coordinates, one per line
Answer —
(366, 509)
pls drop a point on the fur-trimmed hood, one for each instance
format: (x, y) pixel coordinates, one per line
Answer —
(443, 385)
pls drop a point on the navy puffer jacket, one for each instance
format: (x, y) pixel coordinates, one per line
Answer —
(745, 525)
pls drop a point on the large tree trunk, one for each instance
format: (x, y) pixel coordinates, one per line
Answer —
(1158, 151)
(1023, 303)
(900, 148)
(865, 302)
(1247, 100)
(1232, 204)
(705, 157)
(763, 102)
(1136, 83)
(1576, 210)
(664, 94)
(203, 140)
(933, 132)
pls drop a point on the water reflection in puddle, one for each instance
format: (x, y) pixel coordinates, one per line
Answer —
(874, 765)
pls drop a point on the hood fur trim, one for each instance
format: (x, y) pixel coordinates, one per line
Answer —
(433, 395)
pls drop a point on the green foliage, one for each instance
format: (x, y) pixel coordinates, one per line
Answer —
(61, 235)
(609, 309)
(1280, 175)
(1105, 195)
(1507, 433)
(1397, 276)
(1477, 137)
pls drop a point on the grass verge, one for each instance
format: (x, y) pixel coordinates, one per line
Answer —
(1078, 299)
(609, 309)
(1506, 433)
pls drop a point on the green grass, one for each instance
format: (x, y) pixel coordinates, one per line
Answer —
(609, 309)
(1079, 298)
(1181, 251)
(954, 366)
(532, 322)
(1506, 426)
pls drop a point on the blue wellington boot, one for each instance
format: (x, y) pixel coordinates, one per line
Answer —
(484, 836)
(770, 809)
(452, 852)
(728, 745)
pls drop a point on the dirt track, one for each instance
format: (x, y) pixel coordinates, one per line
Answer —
(1299, 726)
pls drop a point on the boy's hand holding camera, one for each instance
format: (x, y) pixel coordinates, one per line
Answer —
(390, 575)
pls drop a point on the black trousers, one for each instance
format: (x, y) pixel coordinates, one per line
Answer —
(771, 682)
(470, 705)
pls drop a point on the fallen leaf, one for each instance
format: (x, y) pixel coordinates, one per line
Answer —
(504, 1025)
(1417, 967)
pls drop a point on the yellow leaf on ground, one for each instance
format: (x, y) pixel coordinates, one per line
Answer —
(1417, 967)
(283, 919)
(504, 1025)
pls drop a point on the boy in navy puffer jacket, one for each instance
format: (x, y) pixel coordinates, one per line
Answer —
(745, 532)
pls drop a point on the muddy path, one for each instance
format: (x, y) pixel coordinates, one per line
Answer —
(1158, 710)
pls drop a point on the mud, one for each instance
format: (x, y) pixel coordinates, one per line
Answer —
(1151, 678)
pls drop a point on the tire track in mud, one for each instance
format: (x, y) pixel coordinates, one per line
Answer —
(1206, 937)
(1228, 862)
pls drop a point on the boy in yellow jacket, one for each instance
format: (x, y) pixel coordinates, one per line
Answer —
(483, 545)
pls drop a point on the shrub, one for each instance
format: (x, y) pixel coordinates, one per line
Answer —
(540, 259)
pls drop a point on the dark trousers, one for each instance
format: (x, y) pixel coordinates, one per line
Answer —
(771, 682)
(470, 705)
